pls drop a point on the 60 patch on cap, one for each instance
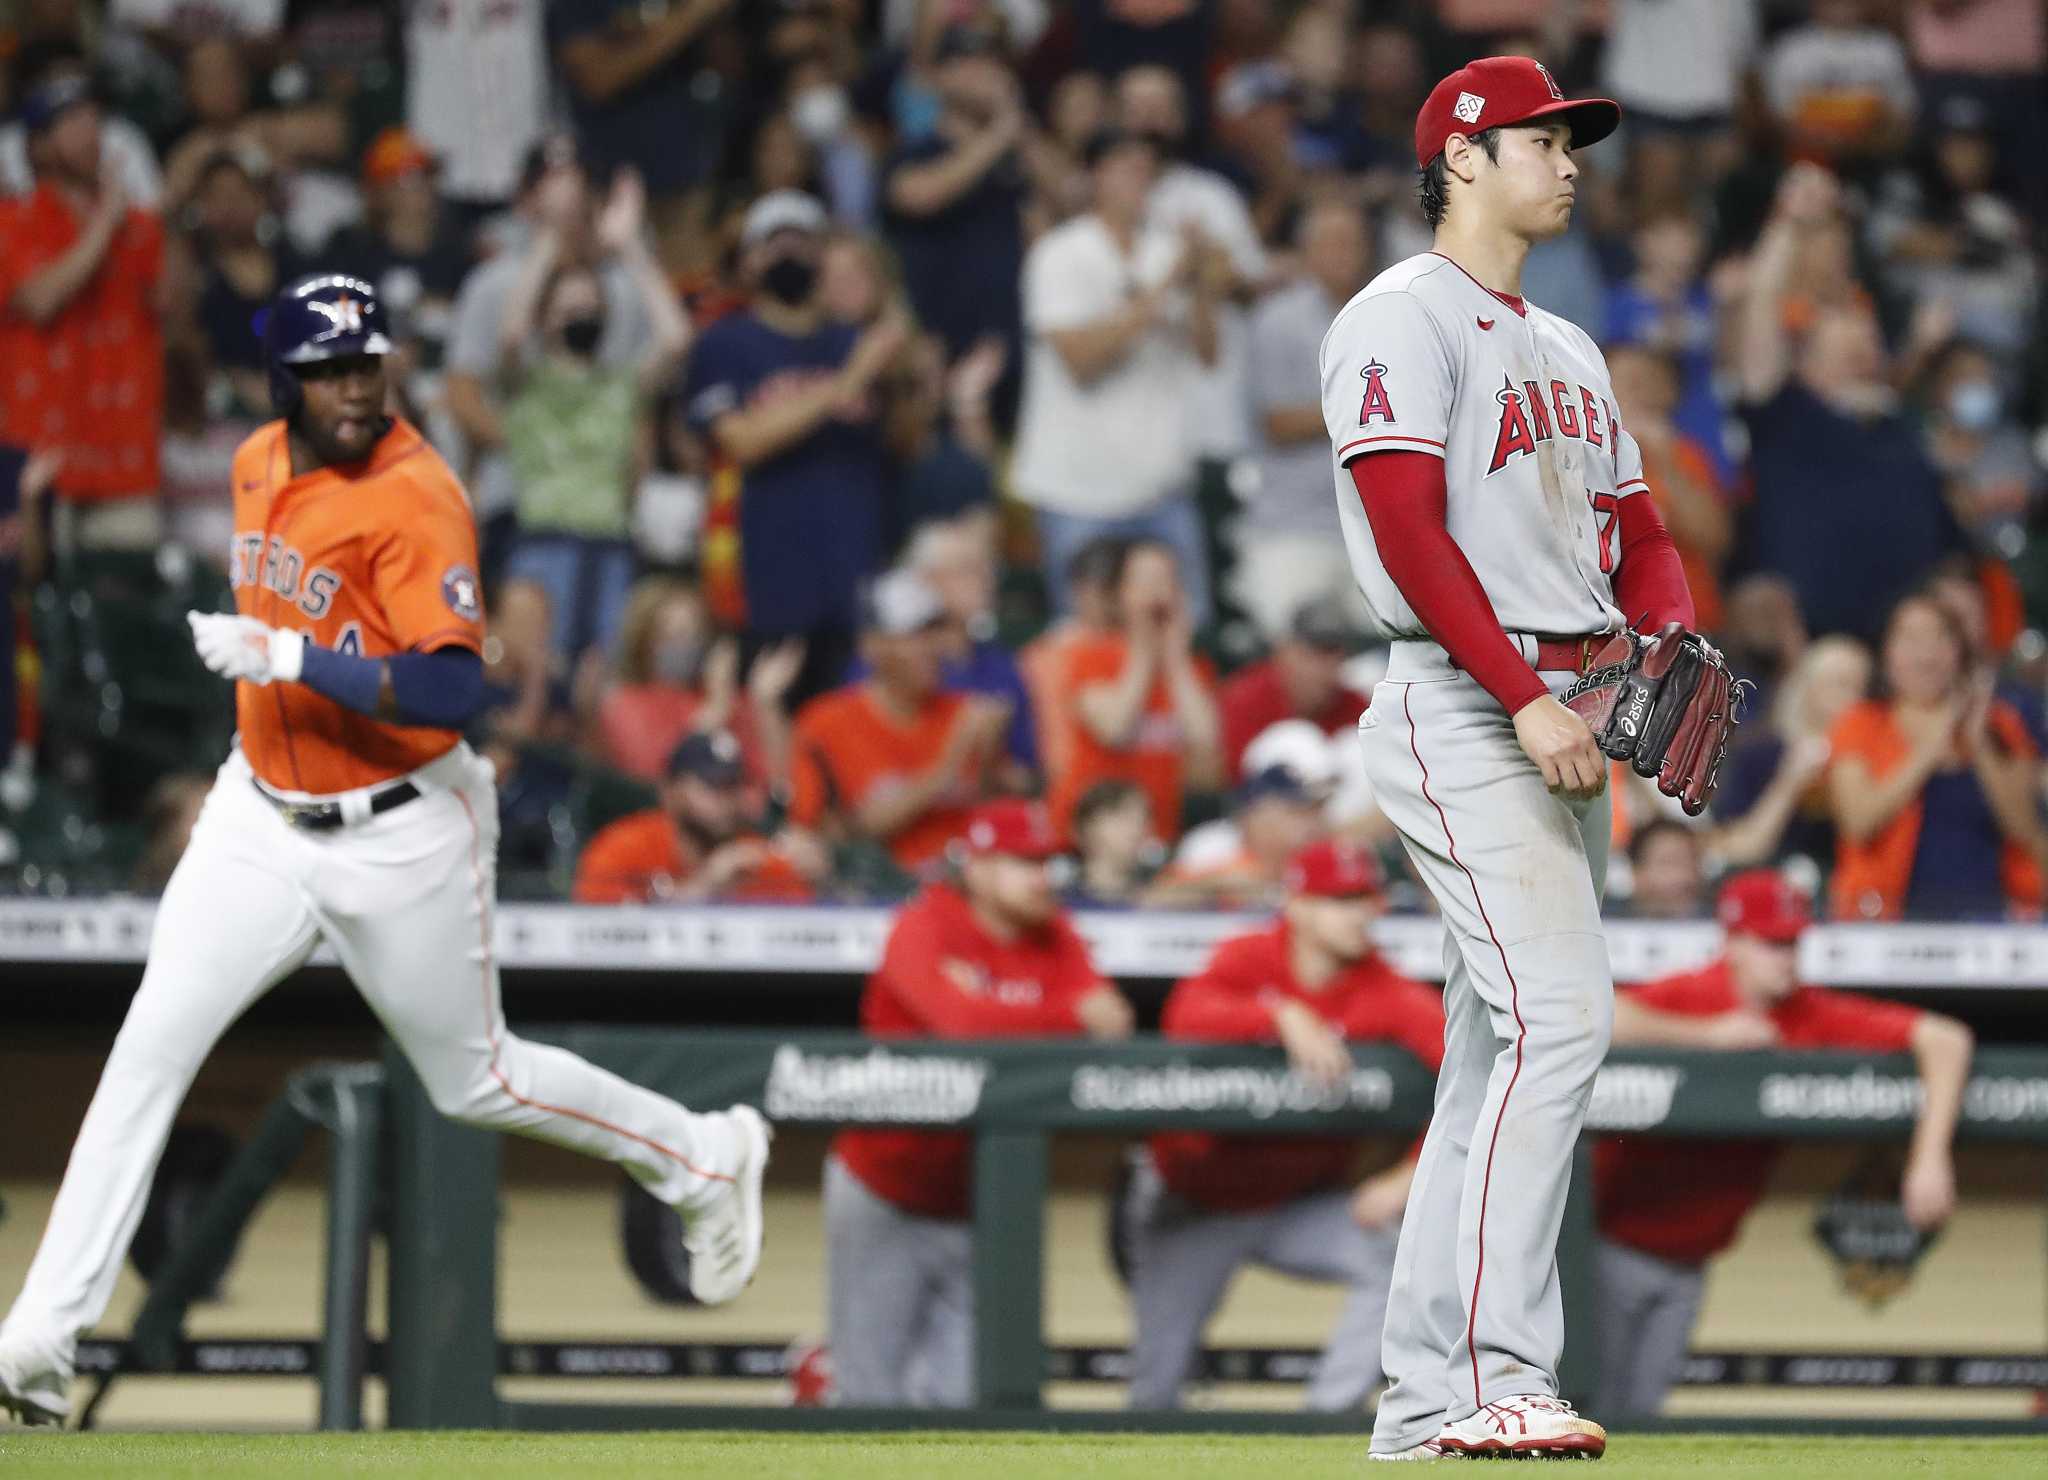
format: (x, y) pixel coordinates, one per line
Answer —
(1497, 92)
(460, 590)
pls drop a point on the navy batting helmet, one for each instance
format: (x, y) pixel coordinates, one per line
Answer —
(324, 317)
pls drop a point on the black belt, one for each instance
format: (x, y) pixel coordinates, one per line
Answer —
(325, 816)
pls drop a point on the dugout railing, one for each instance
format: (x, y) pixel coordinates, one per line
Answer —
(441, 1359)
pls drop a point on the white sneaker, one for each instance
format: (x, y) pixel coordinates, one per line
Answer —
(35, 1383)
(1427, 1450)
(1528, 1424)
(724, 1239)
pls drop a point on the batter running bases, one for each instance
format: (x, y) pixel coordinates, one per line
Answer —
(1492, 508)
(349, 812)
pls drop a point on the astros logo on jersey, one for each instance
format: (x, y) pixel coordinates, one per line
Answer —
(1526, 418)
(1376, 404)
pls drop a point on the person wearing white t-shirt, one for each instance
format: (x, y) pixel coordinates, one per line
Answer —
(1150, 101)
(1841, 87)
(1119, 316)
(479, 97)
(1289, 545)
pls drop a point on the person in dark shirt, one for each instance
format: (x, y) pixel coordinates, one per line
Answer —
(407, 246)
(1847, 506)
(240, 265)
(1115, 37)
(788, 403)
(631, 67)
(941, 434)
(955, 203)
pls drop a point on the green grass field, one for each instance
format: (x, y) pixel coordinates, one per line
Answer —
(745, 1456)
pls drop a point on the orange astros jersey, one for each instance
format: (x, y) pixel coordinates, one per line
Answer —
(376, 560)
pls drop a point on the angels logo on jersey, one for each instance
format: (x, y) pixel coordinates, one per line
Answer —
(1529, 416)
(1376, 406)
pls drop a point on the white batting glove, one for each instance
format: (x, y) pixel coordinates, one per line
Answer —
(241, 647)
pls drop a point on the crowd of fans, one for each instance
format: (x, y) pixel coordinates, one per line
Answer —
(874, 406)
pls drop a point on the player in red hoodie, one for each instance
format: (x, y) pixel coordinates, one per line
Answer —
(1664, 1207)
(988, 954)
(1202, 1205)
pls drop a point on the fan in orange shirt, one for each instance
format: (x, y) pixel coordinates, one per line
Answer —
(1140, 705)
(895, 758)
(696, 844)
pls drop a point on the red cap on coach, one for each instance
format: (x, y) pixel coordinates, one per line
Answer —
(1018, 828)
(1334, 870)
(1495, 92)
(1763, 902)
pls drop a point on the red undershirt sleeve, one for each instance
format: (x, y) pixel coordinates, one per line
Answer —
(1649, 581)
(1404, 498)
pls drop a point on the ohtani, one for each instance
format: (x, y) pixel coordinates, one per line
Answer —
(278, 567)
(1527, 417)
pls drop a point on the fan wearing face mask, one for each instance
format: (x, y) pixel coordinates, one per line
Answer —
(576, 424)
(787, 400)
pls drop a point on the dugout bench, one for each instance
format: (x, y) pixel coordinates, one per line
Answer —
(442, 1355)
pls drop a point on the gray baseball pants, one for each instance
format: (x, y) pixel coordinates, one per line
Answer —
(900, 1297)
(1647, 1309)
(1182, 1261)
(1474, 1314)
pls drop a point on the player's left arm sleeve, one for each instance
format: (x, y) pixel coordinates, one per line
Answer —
(1404, 498)
(1649, 579)
(441, 690)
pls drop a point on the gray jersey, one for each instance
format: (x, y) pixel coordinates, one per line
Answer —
(1519, 406)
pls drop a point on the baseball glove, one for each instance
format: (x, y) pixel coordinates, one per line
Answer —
(1666, 705)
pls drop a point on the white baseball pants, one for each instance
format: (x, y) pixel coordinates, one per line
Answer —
(405, 899)
(1474, 1314)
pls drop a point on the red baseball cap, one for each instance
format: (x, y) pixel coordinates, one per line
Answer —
(1495, 92)
(1018, 828)
(1763, 902)
(1334, 870)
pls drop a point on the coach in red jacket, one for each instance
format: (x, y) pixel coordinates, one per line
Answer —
(1664, 1207)
(987, 955)
(1202, 1205)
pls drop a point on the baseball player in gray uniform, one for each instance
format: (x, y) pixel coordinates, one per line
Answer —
(1490, 502)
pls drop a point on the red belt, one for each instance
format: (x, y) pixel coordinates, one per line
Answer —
(1568, 654)
(1563, 654)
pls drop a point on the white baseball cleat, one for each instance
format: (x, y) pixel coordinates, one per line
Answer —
(35, 1384)
(1427, 1450)
(724, 1239)
(1528, 1425)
